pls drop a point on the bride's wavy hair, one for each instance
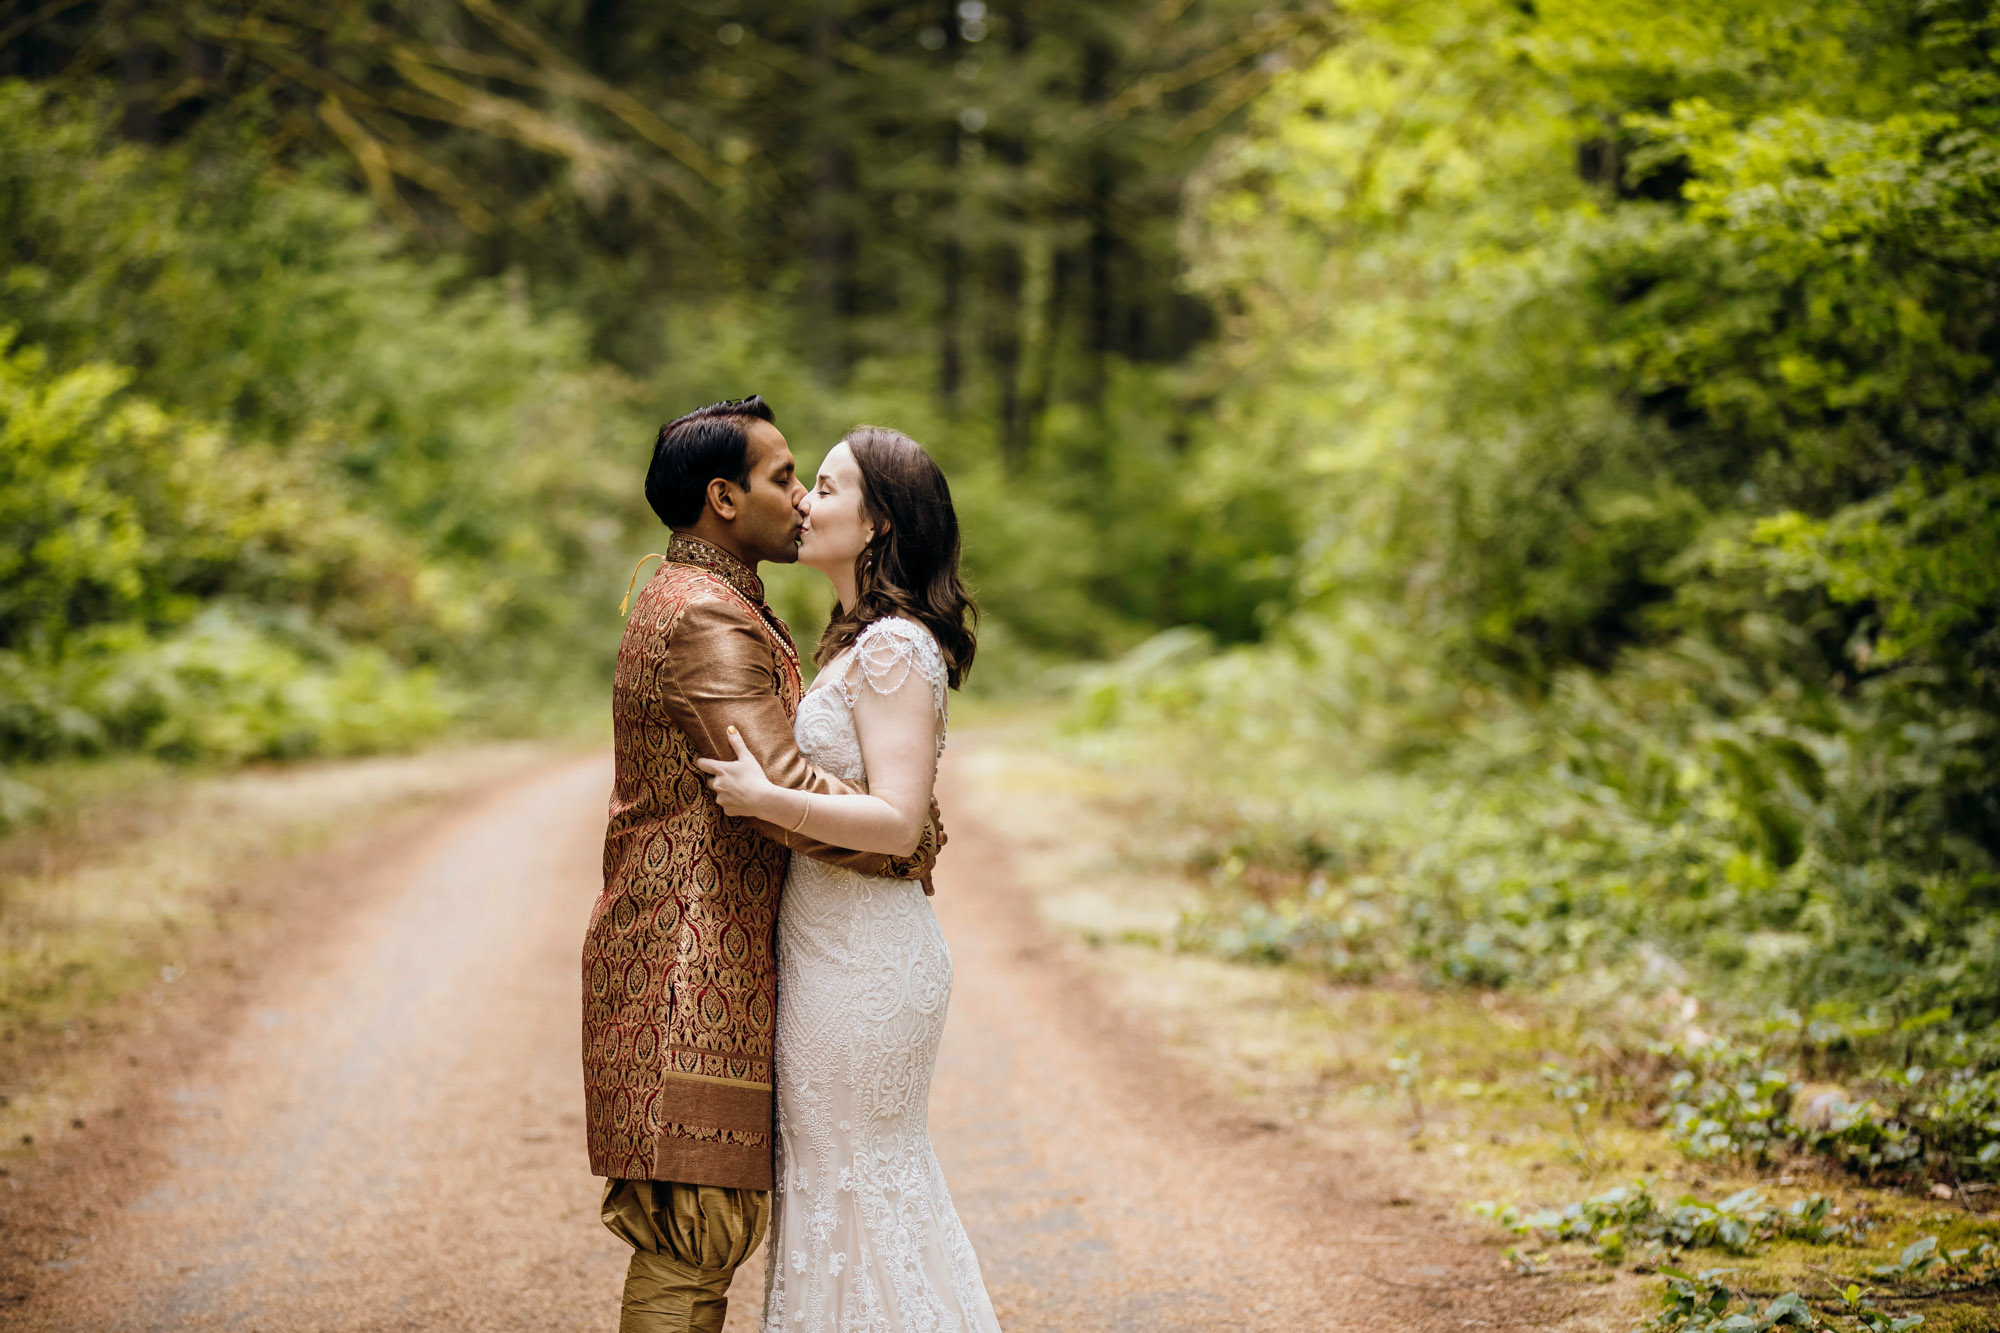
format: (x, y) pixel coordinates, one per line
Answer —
(910, 567)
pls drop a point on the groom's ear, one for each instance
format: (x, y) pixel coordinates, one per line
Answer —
(722, 498)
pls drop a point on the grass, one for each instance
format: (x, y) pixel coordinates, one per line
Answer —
(1482, 1087)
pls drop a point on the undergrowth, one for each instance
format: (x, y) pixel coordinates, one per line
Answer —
(1630, 1226)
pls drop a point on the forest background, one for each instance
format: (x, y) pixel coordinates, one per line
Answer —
(1529, 470)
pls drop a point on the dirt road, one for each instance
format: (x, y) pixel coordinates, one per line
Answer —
(384, 1132)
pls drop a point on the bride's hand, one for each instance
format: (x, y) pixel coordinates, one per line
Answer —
(739, 784)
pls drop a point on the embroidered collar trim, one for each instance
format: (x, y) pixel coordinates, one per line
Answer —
(694, 551)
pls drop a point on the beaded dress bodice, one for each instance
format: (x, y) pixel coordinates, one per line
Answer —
(882, 659)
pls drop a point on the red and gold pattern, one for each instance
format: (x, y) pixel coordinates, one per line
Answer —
(679, 976)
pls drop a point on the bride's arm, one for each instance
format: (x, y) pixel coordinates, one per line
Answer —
(898, 733)
(720, 671)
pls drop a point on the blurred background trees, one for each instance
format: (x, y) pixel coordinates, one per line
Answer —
(443, 266)
(1538, 458)
(1632, 374)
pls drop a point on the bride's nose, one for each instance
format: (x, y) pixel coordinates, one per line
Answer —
(804, 504)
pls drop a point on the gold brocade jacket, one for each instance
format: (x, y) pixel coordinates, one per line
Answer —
(679, 970)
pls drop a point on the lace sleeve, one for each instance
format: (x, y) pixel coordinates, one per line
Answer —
(888, 653)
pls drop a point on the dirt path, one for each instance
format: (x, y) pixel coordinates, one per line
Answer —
(385, 1133)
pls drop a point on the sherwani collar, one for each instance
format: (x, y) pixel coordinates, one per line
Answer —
(686, 550)
(707, 556)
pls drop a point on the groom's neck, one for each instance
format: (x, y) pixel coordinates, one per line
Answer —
(718, 534)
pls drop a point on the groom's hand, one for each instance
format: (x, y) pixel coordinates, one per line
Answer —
(929, 849)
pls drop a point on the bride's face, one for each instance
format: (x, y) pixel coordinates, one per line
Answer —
(836, 529)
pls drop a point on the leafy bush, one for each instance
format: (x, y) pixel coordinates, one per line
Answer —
(1703, 1303)
(1639, 409)
(226, 685)
(269, 486)
(1628, 1215)
(1726, 1101)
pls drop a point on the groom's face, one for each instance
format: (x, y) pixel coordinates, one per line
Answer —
(768, 516)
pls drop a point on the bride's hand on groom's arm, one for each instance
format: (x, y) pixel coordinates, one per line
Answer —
(739, 783)
(898, 741)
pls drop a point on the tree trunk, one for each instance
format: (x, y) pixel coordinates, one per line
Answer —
(1003, 349)
(829, 283)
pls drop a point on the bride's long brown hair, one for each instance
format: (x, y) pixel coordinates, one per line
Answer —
(910, 567)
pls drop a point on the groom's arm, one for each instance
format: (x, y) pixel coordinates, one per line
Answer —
(718, 674)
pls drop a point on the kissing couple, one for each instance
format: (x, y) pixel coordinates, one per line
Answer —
(764, 982)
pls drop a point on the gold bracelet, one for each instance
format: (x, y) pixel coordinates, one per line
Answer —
(804, 814)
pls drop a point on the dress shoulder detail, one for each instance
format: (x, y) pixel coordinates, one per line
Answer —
(885, 654)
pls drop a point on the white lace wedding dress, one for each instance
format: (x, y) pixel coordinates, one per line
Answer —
(863, 1233)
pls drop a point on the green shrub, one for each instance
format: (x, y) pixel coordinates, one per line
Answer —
(268, 484)
(1628, 1216)
(1633, 373)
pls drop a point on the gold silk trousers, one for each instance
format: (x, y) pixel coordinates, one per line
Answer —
(687, 1243)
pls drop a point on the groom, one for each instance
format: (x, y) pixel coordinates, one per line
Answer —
(679, 974)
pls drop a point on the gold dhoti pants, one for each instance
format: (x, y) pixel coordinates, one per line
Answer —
(687, 1241)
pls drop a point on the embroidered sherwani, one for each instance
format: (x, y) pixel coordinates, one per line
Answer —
(680, 989)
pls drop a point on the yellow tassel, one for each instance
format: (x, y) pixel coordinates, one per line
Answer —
(627, 600)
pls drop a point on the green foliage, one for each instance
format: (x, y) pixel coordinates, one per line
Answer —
(266, 486)
(1628, 1226)
(1725, 1101)
(1519, 844)
(1630, 372)
(988, 197)
(120, 525)
(1703, 1303)
(1628, 1217)
(1927, 561)
(226, 685)
(1958, 1115)
(1743, 1102)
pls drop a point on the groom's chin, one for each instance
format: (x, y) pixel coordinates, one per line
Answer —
(787, 554)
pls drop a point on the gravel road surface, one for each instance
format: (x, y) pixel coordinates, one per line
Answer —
(381, 1129)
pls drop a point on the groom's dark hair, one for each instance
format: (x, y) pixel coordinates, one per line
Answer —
(695, 449)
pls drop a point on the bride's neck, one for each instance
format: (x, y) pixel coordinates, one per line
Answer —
(843, 587)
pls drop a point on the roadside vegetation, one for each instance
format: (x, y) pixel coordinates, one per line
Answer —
(1527, 473)
(1632, 372)
(267, 488)
(1552, 1120)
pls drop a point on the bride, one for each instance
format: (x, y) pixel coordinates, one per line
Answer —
(863, 1232)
